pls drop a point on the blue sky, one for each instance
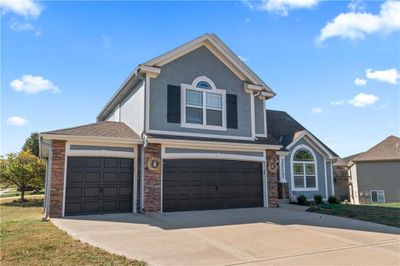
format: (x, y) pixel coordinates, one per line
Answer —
(62, 61)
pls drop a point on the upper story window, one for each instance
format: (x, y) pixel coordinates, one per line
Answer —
(203, 105)
(304, 169)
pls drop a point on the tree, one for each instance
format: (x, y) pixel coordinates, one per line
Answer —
(32, 144)
(22, 169)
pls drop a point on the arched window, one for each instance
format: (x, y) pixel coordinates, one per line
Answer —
(304, 169)
(204, 106)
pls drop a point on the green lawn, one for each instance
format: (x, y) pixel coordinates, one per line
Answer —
(388, 205)
(14, 193)
(388, 214)
(27, 240)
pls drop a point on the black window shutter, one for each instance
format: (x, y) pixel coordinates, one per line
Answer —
(231, 111)
(174, 104)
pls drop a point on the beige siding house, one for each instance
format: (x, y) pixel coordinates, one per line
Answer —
(375, 174)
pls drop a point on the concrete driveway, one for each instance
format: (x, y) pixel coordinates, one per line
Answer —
(256, 236)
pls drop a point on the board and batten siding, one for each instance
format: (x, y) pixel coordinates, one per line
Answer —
(131, 110)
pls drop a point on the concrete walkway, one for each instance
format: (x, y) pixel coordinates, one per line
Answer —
(256, 236)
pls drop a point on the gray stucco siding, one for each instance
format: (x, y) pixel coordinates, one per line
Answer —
(378, 176)
(200, 62)
(259, 110)
(320, 171)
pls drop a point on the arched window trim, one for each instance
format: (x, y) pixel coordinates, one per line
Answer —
(205, 92)
(292, 161)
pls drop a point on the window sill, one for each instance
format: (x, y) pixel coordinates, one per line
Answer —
(305, 189)
(201, 126)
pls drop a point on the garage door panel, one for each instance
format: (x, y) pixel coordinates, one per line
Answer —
(125, 177)
(98, 185)
(110, 162)
(126, 163)
(74, 192)
(211, 184)
(75, 162)
(92, 177)
(75, 177)
(91, 192)
(110, 177)
(93, 162)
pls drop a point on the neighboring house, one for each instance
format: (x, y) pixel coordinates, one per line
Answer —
(375, 174)
(187, 130)
(341, 179)
(305, 167)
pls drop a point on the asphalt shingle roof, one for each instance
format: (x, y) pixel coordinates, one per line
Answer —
(386, 150)
(284, 128)
(100, 129)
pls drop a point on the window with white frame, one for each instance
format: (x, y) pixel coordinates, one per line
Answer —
(304, 170)
(203, 105)
(377, 196)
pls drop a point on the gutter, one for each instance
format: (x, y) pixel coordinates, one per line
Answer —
(46, 203)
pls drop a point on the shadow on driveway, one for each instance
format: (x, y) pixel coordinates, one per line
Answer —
(214, 218)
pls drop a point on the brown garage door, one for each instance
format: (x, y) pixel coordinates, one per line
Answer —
(211, 184)
(98, 185)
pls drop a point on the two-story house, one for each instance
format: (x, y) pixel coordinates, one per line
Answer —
(187, 130)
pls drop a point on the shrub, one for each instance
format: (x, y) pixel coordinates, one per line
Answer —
(318, 199)
(302, 200)
(332, 200)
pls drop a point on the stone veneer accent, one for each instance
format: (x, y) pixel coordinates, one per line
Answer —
(57, 179)
(152, 179)
(283, 191)
(272, 174)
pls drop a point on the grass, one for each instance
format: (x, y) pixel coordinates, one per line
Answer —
(27, 240)
(14, 193)
(387, 205)
(387, 214)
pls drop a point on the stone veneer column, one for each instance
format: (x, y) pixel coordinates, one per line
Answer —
(272, 174)
(57, 179)
(152, 178)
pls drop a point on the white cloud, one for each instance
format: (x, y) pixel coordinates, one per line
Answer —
(336, 103)
(24, 26)
(33, 84)
(280, 7)
(356, 5)
(316, 110)
(26, 8)
(389, 75)
(356, 25)
(362, 100)
(360, 82)
(16, 121)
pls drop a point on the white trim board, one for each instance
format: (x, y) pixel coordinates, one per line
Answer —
(308, 134)
(315, 162)
(100, 153)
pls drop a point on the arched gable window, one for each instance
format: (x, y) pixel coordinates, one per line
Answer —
(204, 106)
(304, 169)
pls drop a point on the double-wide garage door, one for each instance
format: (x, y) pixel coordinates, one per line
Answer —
(211, 184)
(98, 185)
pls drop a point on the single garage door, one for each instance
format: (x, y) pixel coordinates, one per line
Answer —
(98, 185)
(211, 184)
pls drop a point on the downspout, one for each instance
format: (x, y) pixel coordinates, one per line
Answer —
(144, 145)
(48, 182)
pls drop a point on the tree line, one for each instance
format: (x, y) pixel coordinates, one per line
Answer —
(24, 169)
